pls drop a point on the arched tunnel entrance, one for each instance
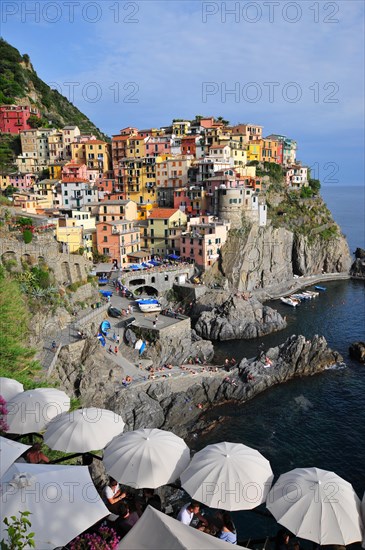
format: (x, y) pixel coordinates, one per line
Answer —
(146, 290)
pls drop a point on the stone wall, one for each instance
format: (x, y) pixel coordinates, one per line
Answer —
(69, 268)
(161, 279)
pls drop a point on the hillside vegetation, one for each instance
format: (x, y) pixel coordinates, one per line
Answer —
(20, 84)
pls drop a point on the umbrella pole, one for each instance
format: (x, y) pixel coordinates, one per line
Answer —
(84, 456)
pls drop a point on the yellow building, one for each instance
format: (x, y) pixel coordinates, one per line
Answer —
(86, 221)
(31, 203)
(55, 170)
(180, 127)
(69, 233)
(78, 152)
(139, 180)
(163, 230)
(136, 147)
(98, 155)
(4, 182)
(254, 151)
(238, 153)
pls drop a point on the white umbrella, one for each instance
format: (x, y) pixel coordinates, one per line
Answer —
(83, 430)
(31, 410)
(9, 388)
(62, 501)
(316, 505)
(9, 452)
(157, 530)
(229, 476)
(146, 458)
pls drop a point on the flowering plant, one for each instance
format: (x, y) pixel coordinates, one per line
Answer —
(104, 539)
(3, 412)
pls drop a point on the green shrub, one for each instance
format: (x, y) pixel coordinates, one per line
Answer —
(27, 236)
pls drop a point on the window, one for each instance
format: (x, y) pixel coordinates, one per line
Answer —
(105, 239)
(165, 222)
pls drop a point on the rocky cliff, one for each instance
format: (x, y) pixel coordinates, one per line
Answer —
(237, 317)
(176, 404)
(300, 239)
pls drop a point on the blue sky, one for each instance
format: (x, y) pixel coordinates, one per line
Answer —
(297, 68)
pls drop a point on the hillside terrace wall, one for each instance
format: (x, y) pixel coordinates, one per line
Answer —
(67, 268)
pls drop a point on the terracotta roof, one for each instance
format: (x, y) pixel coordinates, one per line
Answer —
(163, 213)
(74, 180)
(120, 138)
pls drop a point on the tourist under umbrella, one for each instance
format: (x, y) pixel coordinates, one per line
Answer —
(62, 501)
(83, 430)
(9, 452)
(317, 505)
(9, 388)
(228, 476)
(30, 411)
(157, 530)
(146, 458)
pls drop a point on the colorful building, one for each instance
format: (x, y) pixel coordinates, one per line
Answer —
(117, 239)
(296, 176)
(14, 118)
(113, 210)
(173, 172)
(254, 151)
(203, 240)
(164, 227)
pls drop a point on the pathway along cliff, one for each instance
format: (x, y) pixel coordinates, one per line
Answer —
(179, 404)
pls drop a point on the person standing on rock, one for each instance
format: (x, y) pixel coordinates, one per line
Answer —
(116, 350)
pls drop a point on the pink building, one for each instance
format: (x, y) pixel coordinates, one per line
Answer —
(158, 145)
(73, 170)
(203, 240)
(22, 181)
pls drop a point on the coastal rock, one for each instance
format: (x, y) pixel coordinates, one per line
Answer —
(360, 254)
(86, 372)
(239, 318)
(268, 257)
(358, 268)
(357, 351)
(318, 255)
(177, 404)
(176, 348)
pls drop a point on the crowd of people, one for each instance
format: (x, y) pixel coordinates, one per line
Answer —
(126, 509)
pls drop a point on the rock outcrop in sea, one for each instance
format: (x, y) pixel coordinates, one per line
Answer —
(234, 318)
(177, 403)
(357, 351)
(358, 267)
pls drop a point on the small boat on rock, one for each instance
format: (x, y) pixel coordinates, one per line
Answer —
(290, 302)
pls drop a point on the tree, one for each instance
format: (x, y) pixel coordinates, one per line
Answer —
(10, 190)
(35, 122)
(222, 120)
(315, 185)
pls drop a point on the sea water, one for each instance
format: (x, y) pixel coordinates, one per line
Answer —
(315, 421)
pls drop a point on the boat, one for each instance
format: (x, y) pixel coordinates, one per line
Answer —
(148, 305)
(289, 302)
(321, 288)
(300, 296)
(311, 293)
(103, 281)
